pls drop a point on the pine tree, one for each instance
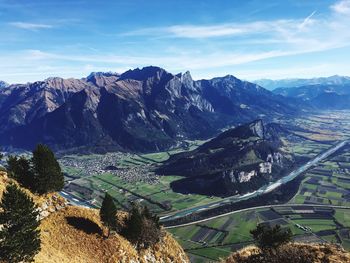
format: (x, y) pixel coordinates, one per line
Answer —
(48, 176)
(108, 213)
(19, 236)
(20, 170)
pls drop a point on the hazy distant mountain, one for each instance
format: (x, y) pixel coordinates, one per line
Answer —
(288, 83)
(142, 110)
(239, 160)
(3, 84)
(322, 96)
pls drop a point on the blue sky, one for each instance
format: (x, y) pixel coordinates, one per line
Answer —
(250, 39)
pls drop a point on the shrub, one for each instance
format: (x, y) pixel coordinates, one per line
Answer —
(142, 228)
(267, 237)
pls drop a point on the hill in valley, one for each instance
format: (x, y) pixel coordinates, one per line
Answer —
(71, 234)
(238, 160)
(141, 110)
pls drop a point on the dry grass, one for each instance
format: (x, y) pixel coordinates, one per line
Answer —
(64, 242)
(293, 253)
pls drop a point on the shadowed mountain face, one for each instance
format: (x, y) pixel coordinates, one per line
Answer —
(236, 161)
(142, 110)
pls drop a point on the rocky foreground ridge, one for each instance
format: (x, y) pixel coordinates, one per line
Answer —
(292, 253)
(63, 241)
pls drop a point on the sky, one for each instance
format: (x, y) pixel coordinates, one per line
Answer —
(250, 39)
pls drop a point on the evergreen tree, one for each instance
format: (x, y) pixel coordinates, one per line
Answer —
(108, 213)
(20, 170)
(48, 176)
(19, 235)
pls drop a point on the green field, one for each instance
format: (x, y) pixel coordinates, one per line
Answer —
(217, 238)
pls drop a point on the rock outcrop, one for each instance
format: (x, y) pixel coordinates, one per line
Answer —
(296, 253)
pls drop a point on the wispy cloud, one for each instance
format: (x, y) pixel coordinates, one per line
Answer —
(198, 47)
(30, 26)
(342, 7)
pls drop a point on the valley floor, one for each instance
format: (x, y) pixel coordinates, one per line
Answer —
(128, 178)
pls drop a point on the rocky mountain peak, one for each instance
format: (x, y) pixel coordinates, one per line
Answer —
(102, 79)
(186, 78)
(144, 73)
(3, 84)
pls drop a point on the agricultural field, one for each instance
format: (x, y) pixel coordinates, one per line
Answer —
(327, 183)
(128, 178)
(214, 239)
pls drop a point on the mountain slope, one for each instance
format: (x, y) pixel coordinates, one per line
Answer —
(71, 234)
(239, 160)
(146, 109)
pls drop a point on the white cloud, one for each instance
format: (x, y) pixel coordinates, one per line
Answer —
(30, 26)
(342, 7)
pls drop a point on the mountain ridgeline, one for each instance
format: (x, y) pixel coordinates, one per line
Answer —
(238, 160)
(141, 110)
(328, 93)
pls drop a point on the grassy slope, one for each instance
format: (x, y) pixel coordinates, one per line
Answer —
(64, 243)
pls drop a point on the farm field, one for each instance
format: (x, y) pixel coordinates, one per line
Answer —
(327, 183)
(129, 177)
(214, 239)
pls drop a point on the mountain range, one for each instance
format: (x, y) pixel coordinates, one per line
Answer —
(320, 96)
(140, 110)
(296, 82)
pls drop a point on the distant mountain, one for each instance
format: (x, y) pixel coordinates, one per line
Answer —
(3, 84)
(325, 96)
(143, 110)
(288, 83)
(238, 160)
